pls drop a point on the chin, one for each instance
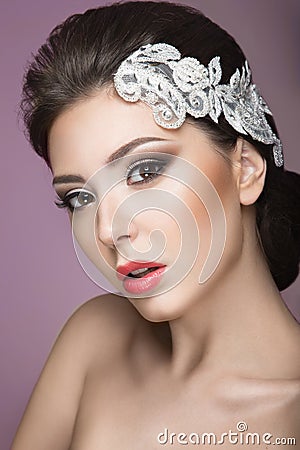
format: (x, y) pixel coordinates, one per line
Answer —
(163, 307)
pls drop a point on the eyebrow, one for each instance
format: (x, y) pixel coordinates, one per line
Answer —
(121, 151)
(65, 179)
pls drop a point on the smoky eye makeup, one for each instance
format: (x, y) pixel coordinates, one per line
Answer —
(145, 170)
(137, 170)
(147, 166)
(75, 199)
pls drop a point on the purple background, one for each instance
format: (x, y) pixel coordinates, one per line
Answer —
(42, 281)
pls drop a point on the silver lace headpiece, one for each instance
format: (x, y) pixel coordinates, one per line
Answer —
(173, 86)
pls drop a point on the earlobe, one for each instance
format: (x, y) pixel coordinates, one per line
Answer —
(252, 172)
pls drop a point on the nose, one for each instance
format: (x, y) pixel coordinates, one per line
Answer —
(111, 228)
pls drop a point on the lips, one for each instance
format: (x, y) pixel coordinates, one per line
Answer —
(137, 268)
(140, 277)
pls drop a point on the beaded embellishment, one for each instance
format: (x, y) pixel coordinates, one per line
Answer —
(173, 86)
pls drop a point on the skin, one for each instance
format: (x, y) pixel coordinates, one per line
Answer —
(197, 358)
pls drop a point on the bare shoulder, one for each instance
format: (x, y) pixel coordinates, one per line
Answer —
(108, 304)
(105, 323)
(97, 331)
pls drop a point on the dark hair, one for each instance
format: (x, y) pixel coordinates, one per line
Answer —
(82, 54)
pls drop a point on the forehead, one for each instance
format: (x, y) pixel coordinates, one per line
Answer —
(86, 134)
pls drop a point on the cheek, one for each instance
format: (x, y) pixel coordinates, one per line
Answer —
(95, 258)
(217, 212)
(223, 179)
(199, 210)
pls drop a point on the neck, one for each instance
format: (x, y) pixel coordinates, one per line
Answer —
(242, 326)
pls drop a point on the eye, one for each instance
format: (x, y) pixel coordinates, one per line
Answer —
(76, 199)
(144, 170)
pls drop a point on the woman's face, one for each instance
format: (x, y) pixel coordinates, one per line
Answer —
(157, 199)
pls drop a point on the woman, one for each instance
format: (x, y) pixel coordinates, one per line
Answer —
(136, 108)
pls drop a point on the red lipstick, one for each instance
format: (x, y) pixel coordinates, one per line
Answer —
(139, 277)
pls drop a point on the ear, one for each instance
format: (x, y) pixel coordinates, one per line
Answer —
(251, 172)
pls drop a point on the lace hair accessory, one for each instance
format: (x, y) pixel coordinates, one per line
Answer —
(173, 86)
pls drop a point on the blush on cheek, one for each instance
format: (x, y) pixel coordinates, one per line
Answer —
(217, 212)
(203, 222)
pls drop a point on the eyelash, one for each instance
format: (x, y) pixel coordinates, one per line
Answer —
(152, 174)
(65, 201)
